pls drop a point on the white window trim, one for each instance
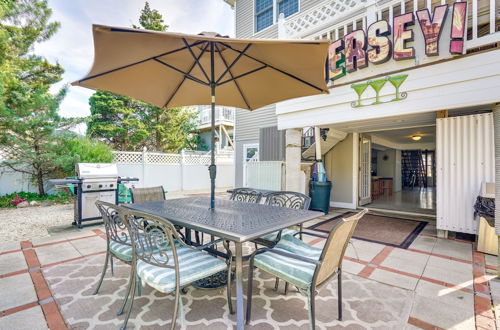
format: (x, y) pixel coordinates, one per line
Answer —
(275, 16)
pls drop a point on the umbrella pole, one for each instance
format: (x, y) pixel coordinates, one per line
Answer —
(213, 168)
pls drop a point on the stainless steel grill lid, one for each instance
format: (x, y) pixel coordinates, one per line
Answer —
(96, 170)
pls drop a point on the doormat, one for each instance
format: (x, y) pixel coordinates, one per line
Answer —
(381, 229)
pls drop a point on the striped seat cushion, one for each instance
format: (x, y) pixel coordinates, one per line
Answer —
(297, 272)
(193, 265)
(121, 251)
(273, 237)
(124, 251)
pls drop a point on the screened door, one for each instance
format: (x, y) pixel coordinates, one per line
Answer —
(365, 157)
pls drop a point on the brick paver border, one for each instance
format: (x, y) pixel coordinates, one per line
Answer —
(484, 316)
(45, 300)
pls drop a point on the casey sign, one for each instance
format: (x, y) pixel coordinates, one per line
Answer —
(351, 53)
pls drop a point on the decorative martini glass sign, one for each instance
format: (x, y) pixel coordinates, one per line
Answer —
(359, 49)
(377, 85)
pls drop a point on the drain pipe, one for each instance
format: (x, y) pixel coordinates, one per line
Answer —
(496, 127)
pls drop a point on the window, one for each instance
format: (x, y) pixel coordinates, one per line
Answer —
(267, 11)
(288, 7)
(263, 14)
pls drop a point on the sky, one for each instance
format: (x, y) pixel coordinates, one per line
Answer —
(72, 45)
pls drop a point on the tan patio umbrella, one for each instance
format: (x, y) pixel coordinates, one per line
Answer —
(173, 69)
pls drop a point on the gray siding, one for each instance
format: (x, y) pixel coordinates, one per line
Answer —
(272, 144)
(244, 11)
(248, 123)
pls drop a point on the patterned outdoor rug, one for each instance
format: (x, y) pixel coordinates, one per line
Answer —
(392, 231)
(367, 304)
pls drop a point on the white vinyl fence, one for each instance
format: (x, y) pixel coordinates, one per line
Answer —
(268, 175)
(175, 172)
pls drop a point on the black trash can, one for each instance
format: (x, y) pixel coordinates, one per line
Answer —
(320, 195)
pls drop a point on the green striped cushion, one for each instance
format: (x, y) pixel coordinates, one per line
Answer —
(122, 251)
(273, 237)
(297, 272)
(193, 265)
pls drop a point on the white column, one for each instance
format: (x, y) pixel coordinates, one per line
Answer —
(293, 174)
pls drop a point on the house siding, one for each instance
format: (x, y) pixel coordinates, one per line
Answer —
(249, 123)
(244, 12)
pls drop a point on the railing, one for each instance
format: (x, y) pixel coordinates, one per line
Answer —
(221, 114)
(333, 19)
(307, 138)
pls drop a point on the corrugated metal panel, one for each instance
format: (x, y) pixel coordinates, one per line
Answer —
(248, 123)
(464, 159)
(272, 144)
(265, 175)
(496, 124)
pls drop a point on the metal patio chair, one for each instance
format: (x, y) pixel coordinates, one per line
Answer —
(288, 199)
(149, 194)
(305, 266)
(118, 244)
(166, 263)
(247, 195)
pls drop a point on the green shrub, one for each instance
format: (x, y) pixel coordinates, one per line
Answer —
(59, 198)
(74, 149)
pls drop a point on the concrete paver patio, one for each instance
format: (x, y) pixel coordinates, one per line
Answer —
(435, 283)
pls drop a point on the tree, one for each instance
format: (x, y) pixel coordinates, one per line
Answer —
(118, 120)
(29, 115)
(74, 149)
(128, 124)
(150, 19)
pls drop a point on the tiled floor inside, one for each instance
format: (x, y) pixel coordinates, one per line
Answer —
(440, 283)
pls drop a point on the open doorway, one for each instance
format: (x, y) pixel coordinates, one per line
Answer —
(401, 165)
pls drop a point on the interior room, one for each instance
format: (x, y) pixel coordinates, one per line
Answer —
(402, 170)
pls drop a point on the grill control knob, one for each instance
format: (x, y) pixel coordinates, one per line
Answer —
(89, 186)
(111, 185)
(100, 186)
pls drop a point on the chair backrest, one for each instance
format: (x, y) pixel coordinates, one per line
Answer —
(117, 227)
(289, 199)
(335, 246)
(248, 195)
(154, 240)
(149, 194)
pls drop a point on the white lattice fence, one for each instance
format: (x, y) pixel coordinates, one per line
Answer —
(127, 157)
(161, 158)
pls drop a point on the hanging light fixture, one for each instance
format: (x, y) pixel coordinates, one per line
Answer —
(416, 137)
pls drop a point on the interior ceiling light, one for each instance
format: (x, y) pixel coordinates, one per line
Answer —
(416, 137)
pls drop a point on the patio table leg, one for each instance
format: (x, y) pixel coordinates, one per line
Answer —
(239, 286)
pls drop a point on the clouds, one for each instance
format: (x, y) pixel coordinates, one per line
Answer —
(72, 45)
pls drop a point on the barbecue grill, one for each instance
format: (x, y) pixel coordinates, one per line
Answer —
(93, 182)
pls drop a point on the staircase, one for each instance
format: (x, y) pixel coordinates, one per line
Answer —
(309, 142)
(413, 169)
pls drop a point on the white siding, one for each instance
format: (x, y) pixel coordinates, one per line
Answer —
(465, 158)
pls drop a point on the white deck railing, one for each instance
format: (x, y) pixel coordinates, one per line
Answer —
(333, 19)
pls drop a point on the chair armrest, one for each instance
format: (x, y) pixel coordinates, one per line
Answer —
(204, 246)
(291, 255)
(310, 234)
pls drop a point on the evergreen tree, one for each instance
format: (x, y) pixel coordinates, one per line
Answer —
(29, 115)
(128, 124)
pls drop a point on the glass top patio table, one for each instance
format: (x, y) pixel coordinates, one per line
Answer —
(231, 220)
